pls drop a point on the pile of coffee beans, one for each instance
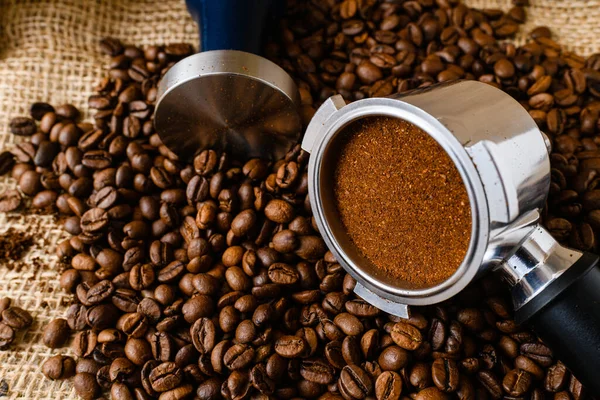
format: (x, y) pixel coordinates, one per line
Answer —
(12, 320)
(209, 280)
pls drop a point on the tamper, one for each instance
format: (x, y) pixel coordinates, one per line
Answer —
(503, 160)
(227, 96)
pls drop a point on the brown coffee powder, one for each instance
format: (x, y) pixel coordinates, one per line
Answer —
(402, 200)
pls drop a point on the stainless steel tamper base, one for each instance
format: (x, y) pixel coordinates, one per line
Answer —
(503, 160)
(227, 99)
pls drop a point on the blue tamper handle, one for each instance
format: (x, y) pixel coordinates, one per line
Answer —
(231, 24)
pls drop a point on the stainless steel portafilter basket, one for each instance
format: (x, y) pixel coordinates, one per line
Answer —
(503, 160)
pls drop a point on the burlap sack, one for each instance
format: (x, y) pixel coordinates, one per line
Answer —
(48, 52)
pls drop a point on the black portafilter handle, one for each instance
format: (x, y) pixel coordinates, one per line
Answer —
(566, 316)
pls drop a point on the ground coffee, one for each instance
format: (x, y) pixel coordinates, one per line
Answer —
(13, 244)
(402, 200)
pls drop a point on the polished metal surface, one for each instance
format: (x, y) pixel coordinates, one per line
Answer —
(536, 263)
(320, 141)
(231, 100)
(503, 159)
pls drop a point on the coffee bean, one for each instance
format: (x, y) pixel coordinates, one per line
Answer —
(349, 324)
(238, 356)
(490, 382)
(165, 377)
(76, 317)
(10, 200)
(556, 378)
(7, 335)
(58, 367)
(7, 161)
(445, 375)
(86, 386)
(431, 393)
(16, 318)
(354, 382)
(30, 183)
(290, 346)
(279, 211)
(94, 220)
(388, 386)
(317, 370)
(84, 343)
(100, 292)
(538, 352)
(205, 162)
(111, 46)
(393, 358)
(528, 365)
(203, 335)
(261, 381)
(406, 336)
(22, 126)
(39, 109)
(96, 159)
(516, 382)
(102, 316)
(56, 333)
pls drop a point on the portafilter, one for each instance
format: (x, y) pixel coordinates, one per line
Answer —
(503, 159)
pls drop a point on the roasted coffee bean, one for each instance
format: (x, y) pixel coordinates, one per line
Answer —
(94, 220)
(100, 292)
(406, 336)
(317, 370)
(431, 393)
(86, 386)
(16, 318)
(39, 109)
(238, 356)
(388, 386)
(203, 333)
(349, 324)
(393, 358)
(7, 161)
(30, 183)
(445, 375)
(56, 333)
(290, 346)
(516, 382)
(165, 377)
(538, 352)
(22, 126)
(10, 200)
(4, 304)
(58, 367)
(76, 317)
(556, 378)
(491, 383)
(84, 343)
(7, 335)
(354, 382)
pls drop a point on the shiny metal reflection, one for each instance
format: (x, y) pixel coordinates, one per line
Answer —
(230, 100)
(503, 159)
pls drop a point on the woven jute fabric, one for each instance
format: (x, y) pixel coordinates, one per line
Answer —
(49, 52)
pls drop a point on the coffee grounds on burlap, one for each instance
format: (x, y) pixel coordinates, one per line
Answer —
(13, 244)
